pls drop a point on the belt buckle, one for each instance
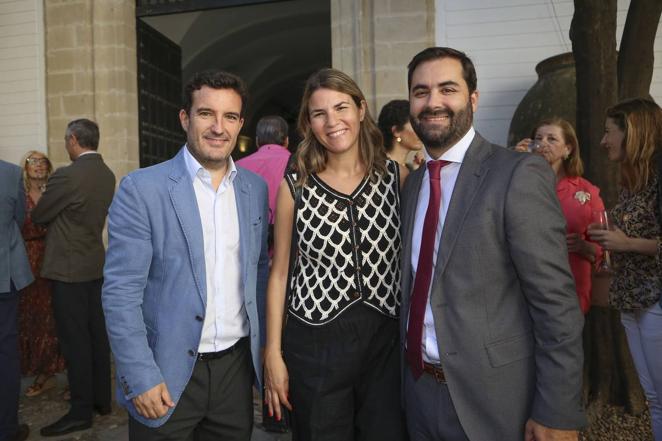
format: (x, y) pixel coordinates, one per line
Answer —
(438, 375)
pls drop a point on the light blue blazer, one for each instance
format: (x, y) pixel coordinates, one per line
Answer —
(14, 263)
(154, 277)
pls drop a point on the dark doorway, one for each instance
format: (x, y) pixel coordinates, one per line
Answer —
(273, 45)
(159, 86)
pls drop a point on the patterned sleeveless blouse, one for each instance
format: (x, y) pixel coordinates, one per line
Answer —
(348, 248)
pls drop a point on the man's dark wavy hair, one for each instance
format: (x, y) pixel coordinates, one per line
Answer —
(215, 79)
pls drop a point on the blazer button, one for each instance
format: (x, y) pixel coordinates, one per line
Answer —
(356, 295)
(191, 352)
(199, 318)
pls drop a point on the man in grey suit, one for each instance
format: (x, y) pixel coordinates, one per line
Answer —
(490, 322)
(74, 207)
(15, 274)
(185, 278)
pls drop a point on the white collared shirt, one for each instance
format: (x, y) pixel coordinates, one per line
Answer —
(88, 152)
(225, 319)
(449, 173)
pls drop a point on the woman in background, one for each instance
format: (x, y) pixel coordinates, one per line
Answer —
(40, 354)
(557, 143)
(633, 138)
(400, 141)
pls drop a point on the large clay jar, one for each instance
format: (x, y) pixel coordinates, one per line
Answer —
(554, 94)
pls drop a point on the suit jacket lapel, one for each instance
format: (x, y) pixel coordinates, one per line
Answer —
(410, 200)
(467, 185)
(185, 204)
(242, 199)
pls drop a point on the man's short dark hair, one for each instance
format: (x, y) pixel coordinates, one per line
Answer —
(85, 131)
(436, 53)
(271, 129)
(215, 79)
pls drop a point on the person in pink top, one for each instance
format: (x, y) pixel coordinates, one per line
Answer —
(555, 140)
(270, 159)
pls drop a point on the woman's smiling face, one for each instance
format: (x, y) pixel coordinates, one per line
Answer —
(335, 120)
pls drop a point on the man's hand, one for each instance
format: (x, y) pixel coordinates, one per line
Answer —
(154, 403)
(537, 432)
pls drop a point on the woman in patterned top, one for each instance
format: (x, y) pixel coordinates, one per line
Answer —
(633, 136)
(339, 370)
(557, 143)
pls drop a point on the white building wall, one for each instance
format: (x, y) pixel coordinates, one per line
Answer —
(22, 78)
(506, 39)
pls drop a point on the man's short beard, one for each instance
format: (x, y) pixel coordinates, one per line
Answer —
(460, 123)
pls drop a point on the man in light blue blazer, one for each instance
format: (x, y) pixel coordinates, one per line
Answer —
(15, 274)
(185, 278)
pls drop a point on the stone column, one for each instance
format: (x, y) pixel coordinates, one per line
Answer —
(374, 40)
(91, 73)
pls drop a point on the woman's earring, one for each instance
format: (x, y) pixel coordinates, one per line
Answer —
(398, 139)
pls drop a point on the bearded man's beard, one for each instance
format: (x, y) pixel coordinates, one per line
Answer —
(442, 137)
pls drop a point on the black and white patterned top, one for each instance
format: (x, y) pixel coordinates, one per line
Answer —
(348, 248)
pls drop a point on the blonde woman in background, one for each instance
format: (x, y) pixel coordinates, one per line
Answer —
(579, 199)
(38, 345)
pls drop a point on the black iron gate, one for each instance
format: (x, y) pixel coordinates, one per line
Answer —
(159, 95)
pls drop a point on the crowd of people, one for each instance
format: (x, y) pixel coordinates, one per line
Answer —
(393, 279)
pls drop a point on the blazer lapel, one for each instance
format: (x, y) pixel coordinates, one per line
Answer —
(243, 200)
(185, 204)
(409, 202)
(468, 183)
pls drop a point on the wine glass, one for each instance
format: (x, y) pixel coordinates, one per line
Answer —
(600, 221)
(534, 146)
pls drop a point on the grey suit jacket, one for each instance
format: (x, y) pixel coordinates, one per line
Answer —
(14, 263)
(74, 206)
(506, 315)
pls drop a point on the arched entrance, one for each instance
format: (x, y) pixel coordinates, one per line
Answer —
(272, 44)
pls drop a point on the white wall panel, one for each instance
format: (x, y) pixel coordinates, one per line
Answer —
(22, 79)
(506, 39)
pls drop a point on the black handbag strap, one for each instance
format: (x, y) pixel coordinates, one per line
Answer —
(293, 251)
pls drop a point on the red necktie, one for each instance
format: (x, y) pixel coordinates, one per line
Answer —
(419, 296)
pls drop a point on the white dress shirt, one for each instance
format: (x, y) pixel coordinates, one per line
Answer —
(449, 173)
(225, 319)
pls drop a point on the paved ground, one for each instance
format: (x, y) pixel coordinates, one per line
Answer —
(48, 407)
(605, 423)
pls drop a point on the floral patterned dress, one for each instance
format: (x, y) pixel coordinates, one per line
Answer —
(637, 281)
(38, 345)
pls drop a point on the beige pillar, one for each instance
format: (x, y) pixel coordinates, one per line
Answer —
(374, 40)
(91, 73)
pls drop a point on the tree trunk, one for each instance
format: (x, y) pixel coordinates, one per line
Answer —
(635, 60)
(593, 35)
(609, 369)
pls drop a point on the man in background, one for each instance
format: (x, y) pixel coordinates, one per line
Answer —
(270, 160)
(74, 207)
(15, 274)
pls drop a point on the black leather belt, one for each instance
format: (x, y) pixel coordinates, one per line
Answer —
(436, 371)
(206, 356)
